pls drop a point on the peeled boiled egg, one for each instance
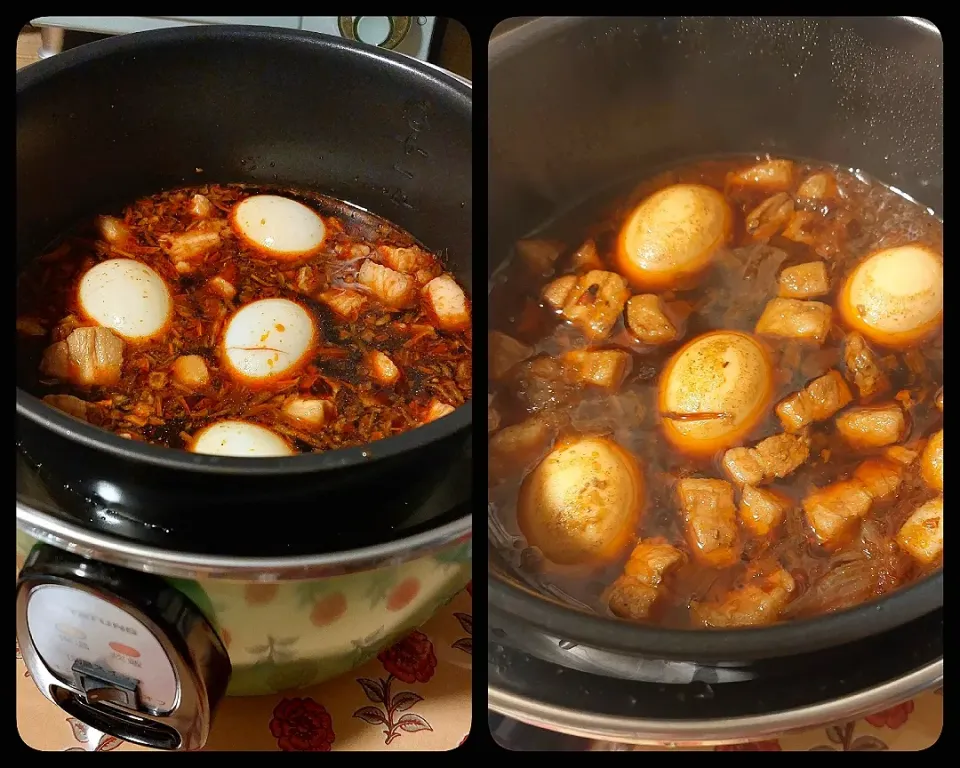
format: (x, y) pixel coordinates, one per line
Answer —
(671, 236)
(267, 338)
(239, 438)
(582, 503)
(895, 296)
(278, 226)
(127, 297)
(714, 390)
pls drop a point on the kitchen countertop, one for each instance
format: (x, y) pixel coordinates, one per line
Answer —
(425, 678)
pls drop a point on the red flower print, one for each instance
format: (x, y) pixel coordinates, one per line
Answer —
(411, 660)
(104, 744)
(752, 746)
(842, 736)
(891, 718)
(302, 725)
(387, 713)
(26, 672)
(465, 644)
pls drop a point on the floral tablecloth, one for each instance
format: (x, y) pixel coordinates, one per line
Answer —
(908, 727)
(416, 696)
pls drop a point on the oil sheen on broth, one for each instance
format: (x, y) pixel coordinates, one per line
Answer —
(244, 321)
(715, 400)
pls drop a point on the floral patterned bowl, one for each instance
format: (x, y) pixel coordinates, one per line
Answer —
(283, 635)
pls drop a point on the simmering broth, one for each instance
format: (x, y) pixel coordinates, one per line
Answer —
(242, 321)
(716, 398)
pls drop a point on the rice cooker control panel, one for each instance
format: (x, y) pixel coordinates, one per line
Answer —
(123, 652)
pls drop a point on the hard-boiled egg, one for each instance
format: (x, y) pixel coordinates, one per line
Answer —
(267, 339)
(239, 438)
(714, 390)
(278, 226)
(671, 236)
(582, 503)
(895, 296)
(127, 297)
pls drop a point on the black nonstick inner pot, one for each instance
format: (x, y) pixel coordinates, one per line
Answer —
(107, 122)
(577, 104)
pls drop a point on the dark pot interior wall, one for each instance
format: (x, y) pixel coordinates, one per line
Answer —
(580, 102)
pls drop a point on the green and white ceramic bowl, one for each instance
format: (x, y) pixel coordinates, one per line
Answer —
(284, 634)
(151, 638)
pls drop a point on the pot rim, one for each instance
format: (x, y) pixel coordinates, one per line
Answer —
(114, 550)
(31, 407)
(715, 645)
(710, 732)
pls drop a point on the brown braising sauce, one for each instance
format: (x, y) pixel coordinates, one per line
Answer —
(364, 333)
(638, 483)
